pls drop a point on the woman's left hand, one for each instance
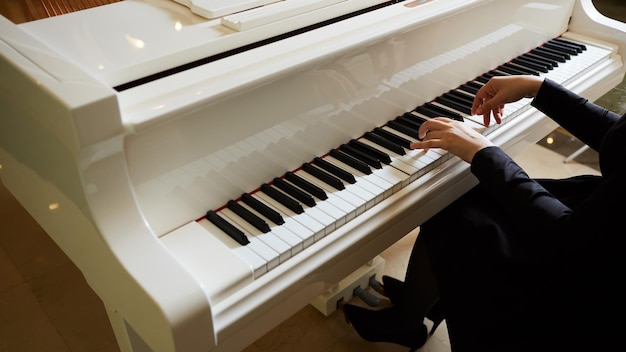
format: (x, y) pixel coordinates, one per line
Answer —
(451, 135)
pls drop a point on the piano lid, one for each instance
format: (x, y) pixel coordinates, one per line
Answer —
(133, 39)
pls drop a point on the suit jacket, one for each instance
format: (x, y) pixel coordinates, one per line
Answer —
(572, 231)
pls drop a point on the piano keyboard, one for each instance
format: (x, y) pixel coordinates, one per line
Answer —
(284, 216)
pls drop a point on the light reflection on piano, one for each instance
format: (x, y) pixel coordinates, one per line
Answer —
(136, 180)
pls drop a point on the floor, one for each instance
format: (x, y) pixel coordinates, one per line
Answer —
(46, 305)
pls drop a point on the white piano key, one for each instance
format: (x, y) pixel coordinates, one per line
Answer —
(258, 264)
(202, 252)
(282, 232)
(363, 180)
(417, 163)
(296, 244)
(256, 245)
(327, 222)
(304, 233)
(382, 184)
(358, 203)
(432, 157)
(376, 191)
(304, 219)
(396, 161)
(328, 207)
(339, 207)
(363, 193)
(336, 213)
(578, 64)
(269, 238)
(397, 178)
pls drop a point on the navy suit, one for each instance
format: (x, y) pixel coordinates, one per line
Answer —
(535, 264)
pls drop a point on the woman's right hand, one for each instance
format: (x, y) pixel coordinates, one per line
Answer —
(500, 90)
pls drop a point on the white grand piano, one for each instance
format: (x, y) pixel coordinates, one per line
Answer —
(131, 132)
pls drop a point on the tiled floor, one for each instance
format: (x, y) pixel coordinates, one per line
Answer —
(46, 305)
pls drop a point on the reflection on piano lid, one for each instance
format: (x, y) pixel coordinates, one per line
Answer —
(302, 206)
(306, 15)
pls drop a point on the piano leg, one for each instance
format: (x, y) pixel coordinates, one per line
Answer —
(127, 339)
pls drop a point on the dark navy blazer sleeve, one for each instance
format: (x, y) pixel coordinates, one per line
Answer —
(583, 119)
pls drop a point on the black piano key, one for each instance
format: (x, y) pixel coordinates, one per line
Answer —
(263, 209)
(548, 54)
(582, 47)
(324, 176)
(510, 70)
(392, 137)
(493, 73)
(525, 68)
(517, 68)
(411, 116)
(474, 84)
(227, 227)
(444, 100)
(444, 112)
(483, 79)
(294, 191)
(403, 129)
(337, 171)
(533, 65)
(350, 160)
(373, 162)
(427, 112)
(469, 89)
(383, 142)
(564, 55)
(248, 216)
(462, 97)
(411, 123)
(375, 153)
(282, 198)
(541, 59)
(562, 48)
(306, 185)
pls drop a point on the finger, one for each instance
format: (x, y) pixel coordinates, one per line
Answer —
(477, 105)
(425, 145)
(418, 145)
(499, 114)
(487, 119)
(430, 125)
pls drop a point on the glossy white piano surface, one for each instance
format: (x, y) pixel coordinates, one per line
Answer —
(122, 179)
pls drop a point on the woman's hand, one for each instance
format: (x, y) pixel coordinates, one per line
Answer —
(490, 99)
(451, 135)
(465, 142)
